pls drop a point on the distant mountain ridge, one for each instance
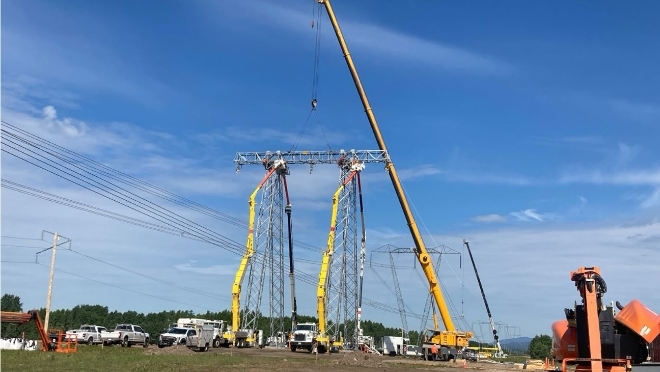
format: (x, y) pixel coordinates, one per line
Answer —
(518, 343)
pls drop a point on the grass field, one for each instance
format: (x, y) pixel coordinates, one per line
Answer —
(95, 358)
(92, 358)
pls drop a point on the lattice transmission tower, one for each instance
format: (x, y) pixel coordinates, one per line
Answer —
(268, 267)
(391, 250)
(343, 284)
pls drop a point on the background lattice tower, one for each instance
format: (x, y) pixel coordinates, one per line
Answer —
(343, 276)
(267, 265)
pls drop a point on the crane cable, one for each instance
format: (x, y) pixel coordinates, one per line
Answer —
(315, 23)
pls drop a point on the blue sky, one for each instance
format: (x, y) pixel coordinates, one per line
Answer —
(531, 131)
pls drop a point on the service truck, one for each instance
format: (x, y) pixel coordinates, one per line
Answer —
(219, 328)
(174, 336)
(304, 336)
(200, 338)
(395, 345)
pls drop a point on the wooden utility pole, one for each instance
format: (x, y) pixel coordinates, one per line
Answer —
(50, 283)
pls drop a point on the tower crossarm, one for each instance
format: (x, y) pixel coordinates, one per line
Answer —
(310, 157)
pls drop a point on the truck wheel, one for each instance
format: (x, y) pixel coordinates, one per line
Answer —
(216, 342)
(125, 343)
(90, 341)
(205, 348)
(146, 342)
(293, 348)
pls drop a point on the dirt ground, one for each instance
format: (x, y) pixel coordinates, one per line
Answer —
(285, 360)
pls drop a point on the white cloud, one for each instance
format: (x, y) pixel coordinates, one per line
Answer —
(488, 178)
(489, 218)
(621, 169)
(536, 261)
(640, 112)
(532, 214)
(629, 177)
(225, 270)
(311, 137)
(626, 154)
(68, 126)
(418, 172)
(378, 40)
(651, 200)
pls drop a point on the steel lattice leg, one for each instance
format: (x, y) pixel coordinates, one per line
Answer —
(343, 276)
(267, 259)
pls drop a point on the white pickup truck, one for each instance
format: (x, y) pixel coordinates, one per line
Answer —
(89, 334)
(128, 335)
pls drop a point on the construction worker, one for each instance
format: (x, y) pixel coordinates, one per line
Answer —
(434, 352)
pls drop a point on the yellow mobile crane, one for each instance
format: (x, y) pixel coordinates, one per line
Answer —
(450, 340)
(324, 341)
(236, 336)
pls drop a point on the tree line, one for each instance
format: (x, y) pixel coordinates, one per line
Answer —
(154, 323)
(157, 323)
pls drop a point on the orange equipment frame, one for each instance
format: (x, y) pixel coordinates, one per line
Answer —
(61, 345)
(585, 281)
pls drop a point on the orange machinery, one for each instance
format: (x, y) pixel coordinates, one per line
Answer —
(60, 344)
(596, 339)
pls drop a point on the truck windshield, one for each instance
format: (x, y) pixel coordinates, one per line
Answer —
(305, 327)
(178, 331)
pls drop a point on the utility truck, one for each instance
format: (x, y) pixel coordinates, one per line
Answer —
(174, 336)
(200, 338)
(395, 345)
(304, 336)
(219, 328)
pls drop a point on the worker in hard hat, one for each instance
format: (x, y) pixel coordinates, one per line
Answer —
(434, 352)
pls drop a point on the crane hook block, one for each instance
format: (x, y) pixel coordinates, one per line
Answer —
(314, 103)
(312, 23)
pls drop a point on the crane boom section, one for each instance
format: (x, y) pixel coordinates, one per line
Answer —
(483, 295)
(327, 255)
(249, 251)
(422, 254)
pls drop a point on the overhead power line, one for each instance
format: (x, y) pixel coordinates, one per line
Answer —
(128, 289)
(104, 181)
